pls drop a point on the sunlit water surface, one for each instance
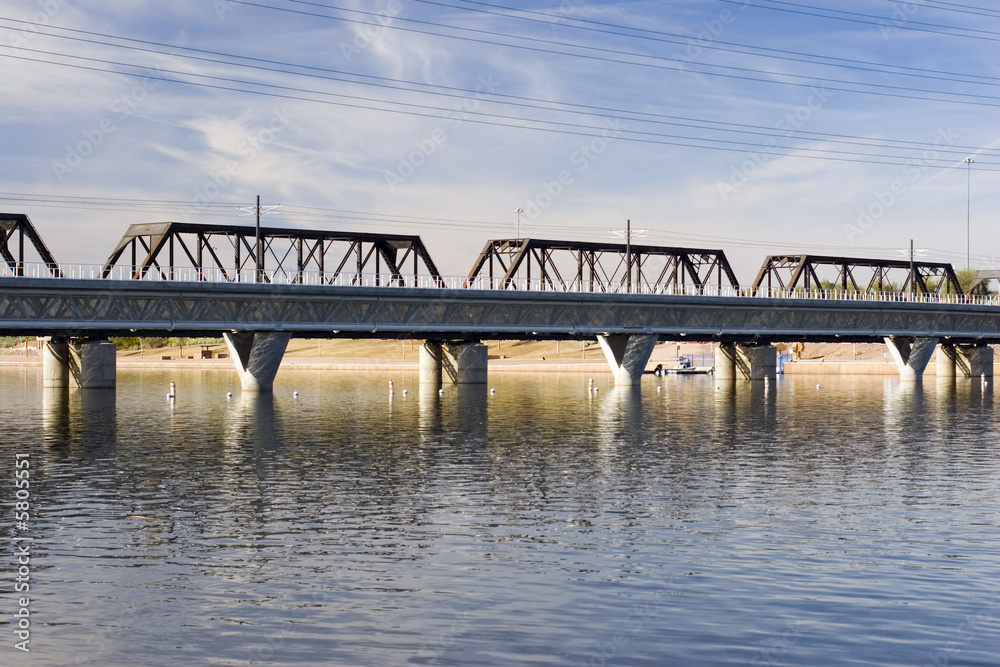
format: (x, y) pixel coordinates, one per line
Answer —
(854, 523)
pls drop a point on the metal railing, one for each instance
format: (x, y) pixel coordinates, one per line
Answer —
(344, 279)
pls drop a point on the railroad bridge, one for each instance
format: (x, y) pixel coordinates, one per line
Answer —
(260, 287)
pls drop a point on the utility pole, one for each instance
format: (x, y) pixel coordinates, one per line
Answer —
(912, 281)
(258, 254)
(968, 208)
(256, 251)
(628, 250)
(628, 254)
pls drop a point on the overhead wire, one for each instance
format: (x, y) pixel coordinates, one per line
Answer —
(512, 100)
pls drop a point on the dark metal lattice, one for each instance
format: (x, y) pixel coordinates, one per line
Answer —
(794, 272)
(17, 225)
(231, 250)
(599, 267)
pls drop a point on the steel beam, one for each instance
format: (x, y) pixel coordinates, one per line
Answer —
(39, 306)
(598, 267)
(165, 246)
(791, 272)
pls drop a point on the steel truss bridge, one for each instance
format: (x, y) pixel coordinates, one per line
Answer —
(192, 279)
(175, 279)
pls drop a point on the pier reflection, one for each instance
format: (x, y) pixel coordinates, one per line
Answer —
(86, 416)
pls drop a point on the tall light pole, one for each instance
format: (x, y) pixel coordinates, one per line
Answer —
(968, 209)
(519, 211)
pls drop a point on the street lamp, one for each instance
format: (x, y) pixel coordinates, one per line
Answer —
(519, 211)
(968, 206)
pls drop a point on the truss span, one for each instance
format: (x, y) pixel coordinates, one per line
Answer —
(599, 267)
(284, 254)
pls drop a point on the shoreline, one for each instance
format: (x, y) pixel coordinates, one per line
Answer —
(801, 367)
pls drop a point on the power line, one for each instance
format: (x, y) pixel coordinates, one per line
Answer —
(557, 127)
(716, 44)
(881, 22)
(811, 80)
(512, 100)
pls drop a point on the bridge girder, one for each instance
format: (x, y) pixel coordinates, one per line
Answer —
(17, 226)
(163, 247)
(792, 272)
(599, 267)
(70, 307)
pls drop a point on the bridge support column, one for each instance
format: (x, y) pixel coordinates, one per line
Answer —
(751, 361)
(257, 357)
(465, 363)
(55, 364)
(968, 360)
(93, 364)
(725, 361)
(462, 362)
(627, 355)
(911, 355)
(431, 362)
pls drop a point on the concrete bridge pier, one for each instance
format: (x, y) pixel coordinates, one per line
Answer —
(911, 355)
(257, 356)
(968, 360)
(55, 364)
(463, 362)
(90, 363)
(627, 354)
(751, 361)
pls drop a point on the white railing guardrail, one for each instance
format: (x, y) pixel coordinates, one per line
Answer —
(344, 279)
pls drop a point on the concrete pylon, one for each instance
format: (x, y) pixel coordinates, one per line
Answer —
(257, 356)
(55, 364)
(751, 361)
(725, 361)
(973, 361)
(465, 363)
(92, 364)
(911, 355)
(627, 354)
(431, 362)
(461, 362)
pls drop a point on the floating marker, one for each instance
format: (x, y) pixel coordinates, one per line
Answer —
(404, 392)
(390, 387)
(817, 386)
(440, 392)
(493, 391)
(295, 394)
(590, 387)
(658, 388)
(173, 391)
(229, 394)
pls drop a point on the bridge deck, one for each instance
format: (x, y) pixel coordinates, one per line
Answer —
(99, 308)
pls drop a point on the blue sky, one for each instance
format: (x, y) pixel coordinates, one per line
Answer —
(757, 126)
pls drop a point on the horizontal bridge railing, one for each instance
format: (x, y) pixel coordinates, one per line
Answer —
(388, 280)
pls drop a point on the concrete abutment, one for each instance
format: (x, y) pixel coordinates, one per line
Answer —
(627, 354)
(257, 356)
(91, 364)
(750, 361)
(462, 362)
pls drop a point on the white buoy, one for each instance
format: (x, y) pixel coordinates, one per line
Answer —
(493, 391)
(595, 390)
(295, 394)
(229, 394)
(404, 392)
(817, 386)
(716, 387)
(440, 392)
(659, 388)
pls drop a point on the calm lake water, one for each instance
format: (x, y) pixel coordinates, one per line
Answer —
(852, 524)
